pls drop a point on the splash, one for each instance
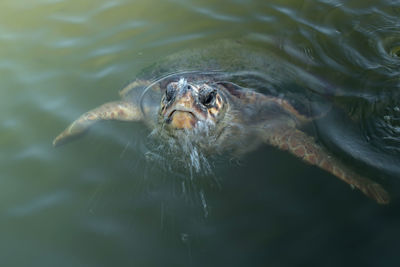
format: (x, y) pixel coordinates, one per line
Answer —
(187, 156)
(185, 150)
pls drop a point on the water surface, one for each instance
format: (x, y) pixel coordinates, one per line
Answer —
(100, 202)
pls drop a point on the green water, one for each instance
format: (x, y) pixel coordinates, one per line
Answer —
(99, 202)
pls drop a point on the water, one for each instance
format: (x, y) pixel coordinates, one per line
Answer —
(100, 202)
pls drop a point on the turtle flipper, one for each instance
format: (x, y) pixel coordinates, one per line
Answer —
(118, 110)
(303, 146)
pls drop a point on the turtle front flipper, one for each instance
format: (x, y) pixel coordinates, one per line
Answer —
(303, 146)
(118, 110)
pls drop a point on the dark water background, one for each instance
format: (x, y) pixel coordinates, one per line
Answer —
(99, 202)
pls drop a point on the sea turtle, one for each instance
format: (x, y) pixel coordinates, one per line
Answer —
(215, 101)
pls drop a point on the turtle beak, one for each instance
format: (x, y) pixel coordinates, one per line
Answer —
(180, 119)
(182, 113)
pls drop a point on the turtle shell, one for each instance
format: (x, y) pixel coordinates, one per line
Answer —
(227, 61)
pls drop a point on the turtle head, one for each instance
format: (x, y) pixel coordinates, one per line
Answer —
(190, 105)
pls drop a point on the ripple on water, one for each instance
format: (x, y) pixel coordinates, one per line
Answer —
(385, 41)
(177, 39)
(36, 205)
(391, 46)
(216, 15)
(86, 13)
(384, 128)
(210, 11)
(299, 17)
(364, 59)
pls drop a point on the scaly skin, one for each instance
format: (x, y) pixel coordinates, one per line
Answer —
(125, 110)
(118, 110)
(303, 146)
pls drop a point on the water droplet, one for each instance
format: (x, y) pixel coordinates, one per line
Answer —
(204, 204)
(184, 238)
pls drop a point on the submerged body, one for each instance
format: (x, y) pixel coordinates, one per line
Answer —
(216, 115)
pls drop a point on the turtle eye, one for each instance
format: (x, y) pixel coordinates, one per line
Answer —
(208, 98)
(169, 93)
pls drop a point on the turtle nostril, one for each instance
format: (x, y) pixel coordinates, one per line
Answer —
(169, 93)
